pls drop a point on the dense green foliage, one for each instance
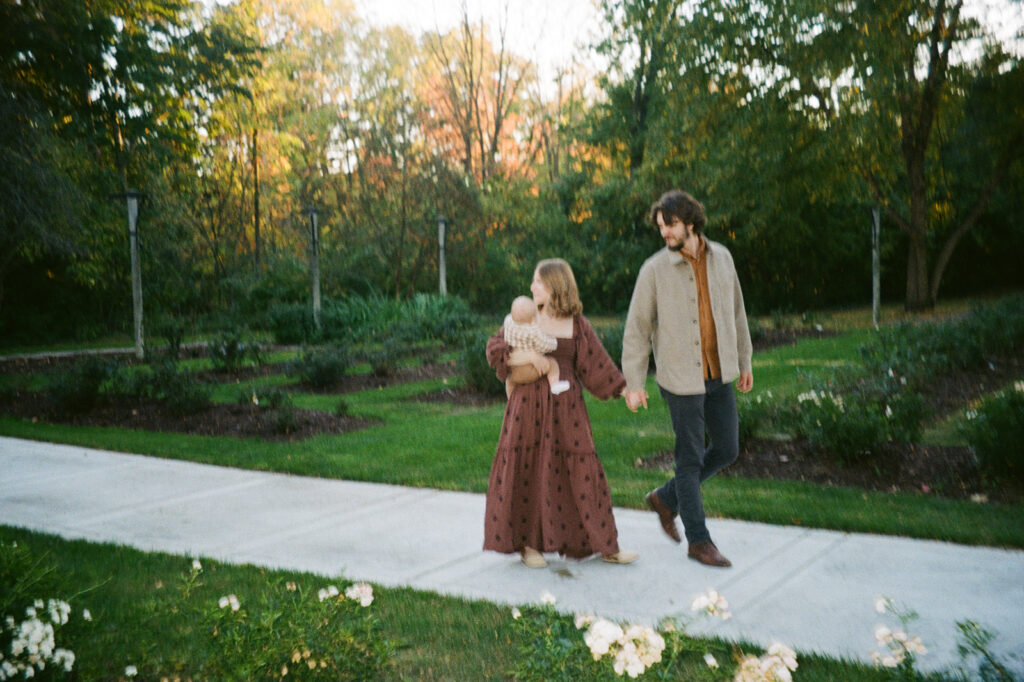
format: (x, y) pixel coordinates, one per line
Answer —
(788, 121)
(995, 431)
(854, 412)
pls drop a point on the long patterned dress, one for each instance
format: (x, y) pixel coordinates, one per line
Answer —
(547, 487)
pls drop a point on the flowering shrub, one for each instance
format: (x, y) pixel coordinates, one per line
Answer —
(296, 633)
(777, 665)
(29, 634)
(995, 431)
(856, 414)
(898, 650)
(840, 426)
(586, 647)
(32, 644)
(633, 649)
(712, 604)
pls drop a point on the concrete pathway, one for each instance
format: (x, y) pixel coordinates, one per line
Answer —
(813, 590)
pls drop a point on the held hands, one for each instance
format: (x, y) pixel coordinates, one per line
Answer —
(635, 399)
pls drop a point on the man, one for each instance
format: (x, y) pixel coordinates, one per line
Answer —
(688, 307)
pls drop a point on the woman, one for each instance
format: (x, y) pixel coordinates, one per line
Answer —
(548, 491)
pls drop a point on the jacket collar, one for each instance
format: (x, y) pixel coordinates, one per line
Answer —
(677, 257)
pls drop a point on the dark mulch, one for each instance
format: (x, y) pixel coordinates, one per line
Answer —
(771, 338)
(351, 383)
(241, 421)
(461, 396)
(932, 470)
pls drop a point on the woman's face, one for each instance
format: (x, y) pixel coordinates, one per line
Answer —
(540, 291)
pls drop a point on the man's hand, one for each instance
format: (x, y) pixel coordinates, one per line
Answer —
(746, 382)
(634, 399)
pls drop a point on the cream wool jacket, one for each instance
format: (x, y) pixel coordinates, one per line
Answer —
(663, 317)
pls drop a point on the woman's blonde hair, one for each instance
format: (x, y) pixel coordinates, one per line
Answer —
(557, 276)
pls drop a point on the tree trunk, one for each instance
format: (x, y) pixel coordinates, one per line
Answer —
(917, 273)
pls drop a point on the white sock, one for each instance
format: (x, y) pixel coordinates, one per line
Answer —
(559, 387)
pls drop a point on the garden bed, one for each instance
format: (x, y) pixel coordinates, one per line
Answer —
(239, 421)
(947, 471)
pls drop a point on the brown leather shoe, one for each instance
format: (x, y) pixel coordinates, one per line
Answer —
(665, 515)
(706, 553)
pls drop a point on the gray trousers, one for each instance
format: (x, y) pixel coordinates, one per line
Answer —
(713, 412)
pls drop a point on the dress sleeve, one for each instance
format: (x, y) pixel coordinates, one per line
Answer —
(594, 367)
(497, 354)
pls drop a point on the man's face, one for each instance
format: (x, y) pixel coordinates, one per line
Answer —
(674, 233)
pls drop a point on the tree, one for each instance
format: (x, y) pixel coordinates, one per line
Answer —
(643, 33)
(478, 87)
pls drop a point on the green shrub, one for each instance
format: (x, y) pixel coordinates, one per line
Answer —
(757, 330)
(479, 375)
(172, 329)
(178, 390)
(265, 398)
(375, 318)
(384, 359)
(323, 367)
(286, 420)
(552, 649)
(918, 351)
(233, 348)
(79, 389)
(611, 339)
(756, 413)
(846, 429)
(291, 323)
(995, 431)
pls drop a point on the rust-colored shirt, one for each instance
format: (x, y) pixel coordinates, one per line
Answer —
(708, 334)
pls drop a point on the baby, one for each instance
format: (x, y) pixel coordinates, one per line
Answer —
(523, 333)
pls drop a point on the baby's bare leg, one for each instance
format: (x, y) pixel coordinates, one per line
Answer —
(552, 373)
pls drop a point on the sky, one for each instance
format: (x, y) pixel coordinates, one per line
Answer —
(551, 31)
(545, 31)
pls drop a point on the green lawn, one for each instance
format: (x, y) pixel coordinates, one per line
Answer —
(142, 616)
